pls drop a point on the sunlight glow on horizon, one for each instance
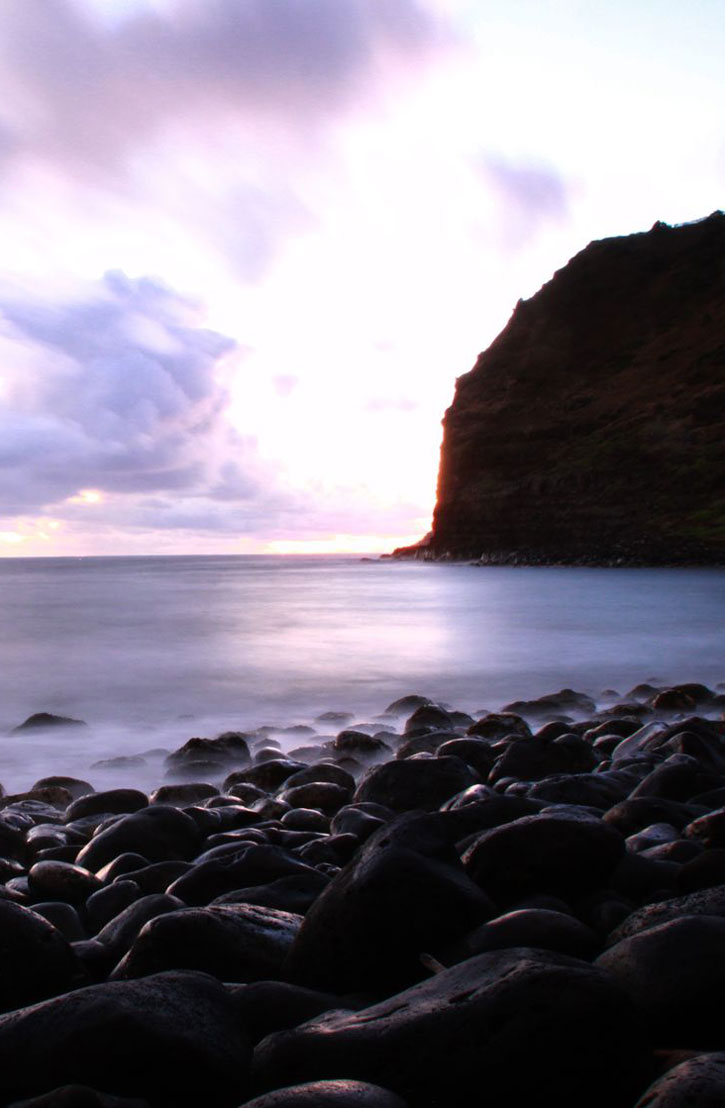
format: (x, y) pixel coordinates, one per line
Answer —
(237, 293)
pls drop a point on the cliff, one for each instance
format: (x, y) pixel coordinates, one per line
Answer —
(593, 428)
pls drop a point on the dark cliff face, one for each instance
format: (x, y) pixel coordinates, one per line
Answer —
(593, 428)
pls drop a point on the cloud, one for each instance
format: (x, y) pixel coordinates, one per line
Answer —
(120, 390)
(529, 196)
(86, 91)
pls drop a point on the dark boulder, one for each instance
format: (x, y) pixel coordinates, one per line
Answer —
(251, 865)
(394, 902)
(675, 973)
(36, 961)
(329, 1094)
(533, 927)
(706, 902)
(171, 1039)
(501, 1026)
(698, 1082)
(264, 1007)
(46, 721)
(240, 942)
(415, 785)
(111, 801)
(160, 833)
(556, 854)
(62, 881)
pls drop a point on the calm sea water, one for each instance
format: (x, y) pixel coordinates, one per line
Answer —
(150, 651)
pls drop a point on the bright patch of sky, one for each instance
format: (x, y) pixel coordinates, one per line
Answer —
(248, 246)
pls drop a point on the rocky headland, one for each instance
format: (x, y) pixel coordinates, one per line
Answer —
(433, 909)
(592, 430)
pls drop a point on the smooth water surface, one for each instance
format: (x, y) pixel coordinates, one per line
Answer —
(133, 644)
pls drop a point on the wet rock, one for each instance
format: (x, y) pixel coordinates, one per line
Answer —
(631, 815)
(353, 821)
(533, 760)
(62, 916)
(295, 894)
(513, 1022)
(707, 902)
(179, 796)
(251, 865)
(329, 1094)
(46, 721)
(321, 771)
(241, 942)
(698, 1081)
(544, 853)
(327, 797)
(709, 829)
(157, 877)
(264, 1007)
(267, 775)
(677, 782)
(62, 881)
(36, 961)
(305, 819)
(160, 833)
(230, 749)
(415, 785)
(74, 785)
(590, 789)
(435, 718)
(391, 904)
(122, 864)
(532, 927)
(111, 801)
(118, 935)
(75, 1039)
(108, 902)
(498, 725)
(674, 972)
(475, 752)
(705, 871)
(358, 744)
(406, 704)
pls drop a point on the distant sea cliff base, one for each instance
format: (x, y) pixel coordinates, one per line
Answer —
(592, 430)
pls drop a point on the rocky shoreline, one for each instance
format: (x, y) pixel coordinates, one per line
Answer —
(435, 909)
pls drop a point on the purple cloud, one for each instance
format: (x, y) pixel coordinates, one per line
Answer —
(529, 195)
(118, 391)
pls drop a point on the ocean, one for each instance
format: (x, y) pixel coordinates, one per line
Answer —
(150, 651)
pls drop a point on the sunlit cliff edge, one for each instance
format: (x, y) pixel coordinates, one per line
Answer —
(592, 430)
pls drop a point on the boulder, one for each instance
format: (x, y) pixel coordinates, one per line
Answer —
(132, 1039)
(675, 973)
(555, 854)
(36, 961)
(415, 785)
(241, 942)
(500, 1027)
(698, 1082)
(329, 1094)
(394, 902)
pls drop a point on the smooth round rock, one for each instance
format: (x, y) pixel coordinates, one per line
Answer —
(36, 961)
(171, 1039)
(698, 1082)
(329, 1094)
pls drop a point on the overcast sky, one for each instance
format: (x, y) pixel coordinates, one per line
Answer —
(248, 245)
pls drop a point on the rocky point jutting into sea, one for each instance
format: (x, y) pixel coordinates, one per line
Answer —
(592, 430)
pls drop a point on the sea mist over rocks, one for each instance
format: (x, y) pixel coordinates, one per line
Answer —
(152, 651)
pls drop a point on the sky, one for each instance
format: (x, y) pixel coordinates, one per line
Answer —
(249, 245)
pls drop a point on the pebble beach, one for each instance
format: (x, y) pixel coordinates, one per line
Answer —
(430, 909)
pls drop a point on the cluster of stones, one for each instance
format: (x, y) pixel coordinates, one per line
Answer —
(435, 910)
